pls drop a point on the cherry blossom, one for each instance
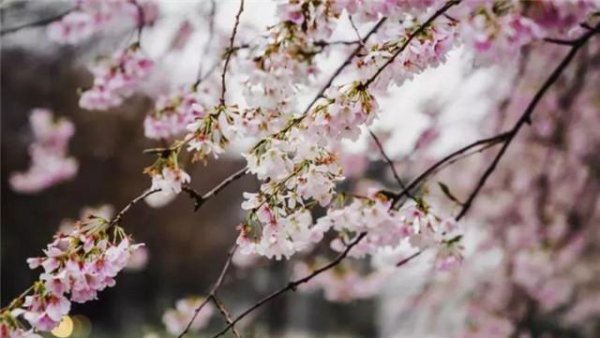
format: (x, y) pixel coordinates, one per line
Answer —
(92, 16)
(116, 78)
(176, 320)
(49, 162)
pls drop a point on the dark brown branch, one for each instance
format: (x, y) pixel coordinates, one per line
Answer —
(433, 168)
(526, 116)
(230, 52)
(226, 315)
(292, 285)
(561, 41)
(117, 219)
(419, 30)
(212, 292)
(390, 163)
(200, 199)
(141, 19)
(409, 258)
(38, 23)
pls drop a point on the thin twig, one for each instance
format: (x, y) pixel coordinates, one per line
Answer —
(390, 163)
(355, 30)
(526, 116)
(117, 219)
(438, 164)
(141, 19)
(560, 41)
(200, 199)
(226, 315)
(292, 285)
(230, 51)
(409, 258)
(213, 291)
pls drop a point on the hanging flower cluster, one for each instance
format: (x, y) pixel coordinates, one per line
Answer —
(76, 266)
(172, 114)
(92, 16)
(50, 163)
(426, 49)
(116, 78)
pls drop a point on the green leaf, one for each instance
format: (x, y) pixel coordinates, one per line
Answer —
(448, 194)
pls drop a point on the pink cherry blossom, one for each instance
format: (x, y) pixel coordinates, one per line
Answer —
(49, 162)
(176, 320)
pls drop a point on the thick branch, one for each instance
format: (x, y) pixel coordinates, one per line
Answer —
(526, 116)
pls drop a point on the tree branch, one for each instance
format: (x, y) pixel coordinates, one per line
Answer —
(117, 219)
(229, 52)
(292, 286)
(413, 184)
(200, 199)
(226, 315)
(212, 293)
(526, 116)
(390, 163)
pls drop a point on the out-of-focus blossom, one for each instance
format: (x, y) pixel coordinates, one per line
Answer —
(116, 78)
(176, 320)
(91, 16)
(49, 162)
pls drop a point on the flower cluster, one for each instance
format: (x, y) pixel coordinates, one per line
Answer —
(497, 32)
(91, 16)
(426, 49)
(116, 78)
(172, 114)
(386, 227)
(297, 175)
(76, 267)
(49, 162)
(176, 320)
(211, 133)
(284, 61)
(344, 111)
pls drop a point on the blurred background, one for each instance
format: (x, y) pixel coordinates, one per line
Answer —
(187, 249)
